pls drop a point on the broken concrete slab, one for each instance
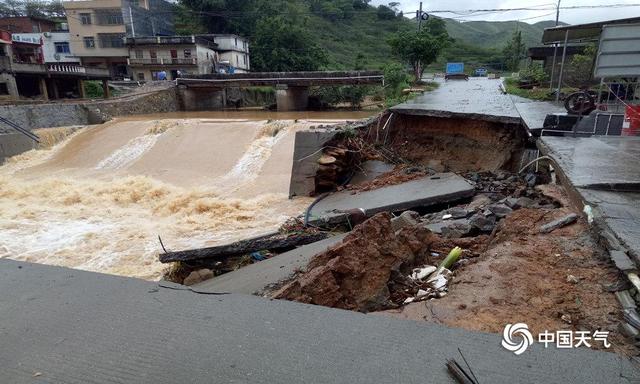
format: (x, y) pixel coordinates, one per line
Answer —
(559, 223)
(603, 162)
(423, 192)
(602, 172)
(478, 99)
(255, 277)
(72, 326)
(622, 261)
(370, 170)
(534, 113)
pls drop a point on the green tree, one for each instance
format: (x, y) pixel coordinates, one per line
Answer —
(422, 48)
(581, 66)
(282, 45)
(514, 51)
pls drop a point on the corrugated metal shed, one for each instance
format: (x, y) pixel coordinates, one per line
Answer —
(619, 51)
(581, 32)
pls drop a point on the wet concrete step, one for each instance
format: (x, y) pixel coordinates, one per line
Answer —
(255, 277)
(424, 192)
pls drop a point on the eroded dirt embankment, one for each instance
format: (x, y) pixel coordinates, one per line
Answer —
(510, 270)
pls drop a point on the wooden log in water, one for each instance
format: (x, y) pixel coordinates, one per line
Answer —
(221, 252)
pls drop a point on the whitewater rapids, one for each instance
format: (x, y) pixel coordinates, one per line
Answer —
(99, 199)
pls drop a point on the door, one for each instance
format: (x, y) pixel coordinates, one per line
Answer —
(174, 56)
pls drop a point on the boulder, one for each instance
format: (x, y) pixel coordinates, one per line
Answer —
(500, 210)
(198, 276)
(483, 223)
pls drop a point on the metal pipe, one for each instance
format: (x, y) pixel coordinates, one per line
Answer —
(564, 57)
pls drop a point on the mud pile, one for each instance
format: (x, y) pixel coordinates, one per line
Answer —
(355, 274)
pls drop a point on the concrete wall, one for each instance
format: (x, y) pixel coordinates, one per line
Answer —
(44, 115)
(307, 151)
(12, 144)
(60, 115)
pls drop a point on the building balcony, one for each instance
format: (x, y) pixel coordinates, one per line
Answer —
(163, 61)
(53, 69)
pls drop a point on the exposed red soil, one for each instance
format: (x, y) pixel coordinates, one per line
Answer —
(461, 144)
(355, 273)
(522, 277)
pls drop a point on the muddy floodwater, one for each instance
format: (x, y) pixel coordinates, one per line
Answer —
(99, 199)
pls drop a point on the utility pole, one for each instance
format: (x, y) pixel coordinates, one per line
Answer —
(555, 49)
(419, 17)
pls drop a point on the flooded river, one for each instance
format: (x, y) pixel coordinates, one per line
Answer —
(99, 199)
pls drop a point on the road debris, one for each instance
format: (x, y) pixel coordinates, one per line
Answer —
(559, 223)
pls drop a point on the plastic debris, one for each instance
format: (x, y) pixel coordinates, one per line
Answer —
(408, 300)
(447, 217)
(451, 259)
(438, 282)
(421, 273)
(589, 212)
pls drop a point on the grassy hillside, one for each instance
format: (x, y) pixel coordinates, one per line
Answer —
(492, 34)
(367, 35)
(363, 34)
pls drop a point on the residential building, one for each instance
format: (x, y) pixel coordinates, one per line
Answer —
(174, 55)
(55, 46)
(27, 24)
(98, 29)
(24, 73)
(234, 53)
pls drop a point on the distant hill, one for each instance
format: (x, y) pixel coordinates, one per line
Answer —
(495, 34)
(367, 35)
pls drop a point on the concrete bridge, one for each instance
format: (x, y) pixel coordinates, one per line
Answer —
(292, 88)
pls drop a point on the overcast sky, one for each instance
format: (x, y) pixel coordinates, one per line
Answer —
(571, 16)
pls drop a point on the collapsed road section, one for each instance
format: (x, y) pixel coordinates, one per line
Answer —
(440, 219)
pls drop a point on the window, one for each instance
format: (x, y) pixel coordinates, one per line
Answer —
(85, 18)
(141, 76)
(187, 53)
(139, 54)
(109, 17)
(236, 41)
(154, 56)
(111, 40)
(35, 28)
(89, 42)
(62, 47)
(4, 89)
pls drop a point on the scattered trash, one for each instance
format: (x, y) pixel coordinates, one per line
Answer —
(447, 217)
(421, 273)
(438, 282)
(566, 318)
(572, 279)
(589, 212)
